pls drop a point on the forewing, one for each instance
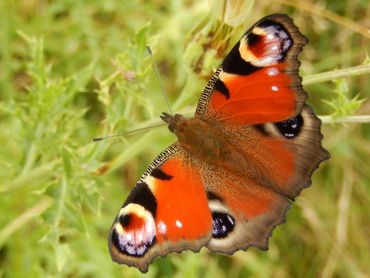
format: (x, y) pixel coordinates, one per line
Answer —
(167, 211)
(258, 81)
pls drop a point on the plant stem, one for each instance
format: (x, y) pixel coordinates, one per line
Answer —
(347, 119)
(31, 176)
(62, 197)
(322, 12)
(132, 151)
(331, 75)
(24, 218)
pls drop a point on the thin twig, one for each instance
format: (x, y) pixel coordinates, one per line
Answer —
(335, 74)
(343, 21)
(23, 219)
(347, 119)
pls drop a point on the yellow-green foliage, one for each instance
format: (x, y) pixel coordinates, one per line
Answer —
(74, 70)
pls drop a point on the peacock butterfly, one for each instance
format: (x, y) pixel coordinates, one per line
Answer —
(238, 164)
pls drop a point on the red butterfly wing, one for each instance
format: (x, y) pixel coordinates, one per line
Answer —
(160, 213)
(244, 212)
(258, 80)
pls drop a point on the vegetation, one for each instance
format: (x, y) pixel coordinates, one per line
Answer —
(74, 70)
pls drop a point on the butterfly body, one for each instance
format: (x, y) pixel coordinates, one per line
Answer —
(238, 164)
(208, 143)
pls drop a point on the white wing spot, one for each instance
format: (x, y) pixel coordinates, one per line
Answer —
(272, 71)
(129, 237)
(162, 227)
(178, 224)
(275, 88)
(270, 36)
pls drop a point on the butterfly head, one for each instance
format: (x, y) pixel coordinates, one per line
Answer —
(175, 122)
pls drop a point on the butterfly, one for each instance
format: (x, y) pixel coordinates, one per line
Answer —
(238, 164)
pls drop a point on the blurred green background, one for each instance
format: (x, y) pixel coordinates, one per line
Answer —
(74, 70)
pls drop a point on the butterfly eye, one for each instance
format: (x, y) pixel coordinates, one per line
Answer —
(178, 117)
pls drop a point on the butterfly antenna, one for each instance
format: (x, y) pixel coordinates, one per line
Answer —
(155, 67)
(96, 139)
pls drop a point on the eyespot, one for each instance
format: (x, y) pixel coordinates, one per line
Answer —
(290, 128)
(134, 232)
(222, 224)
